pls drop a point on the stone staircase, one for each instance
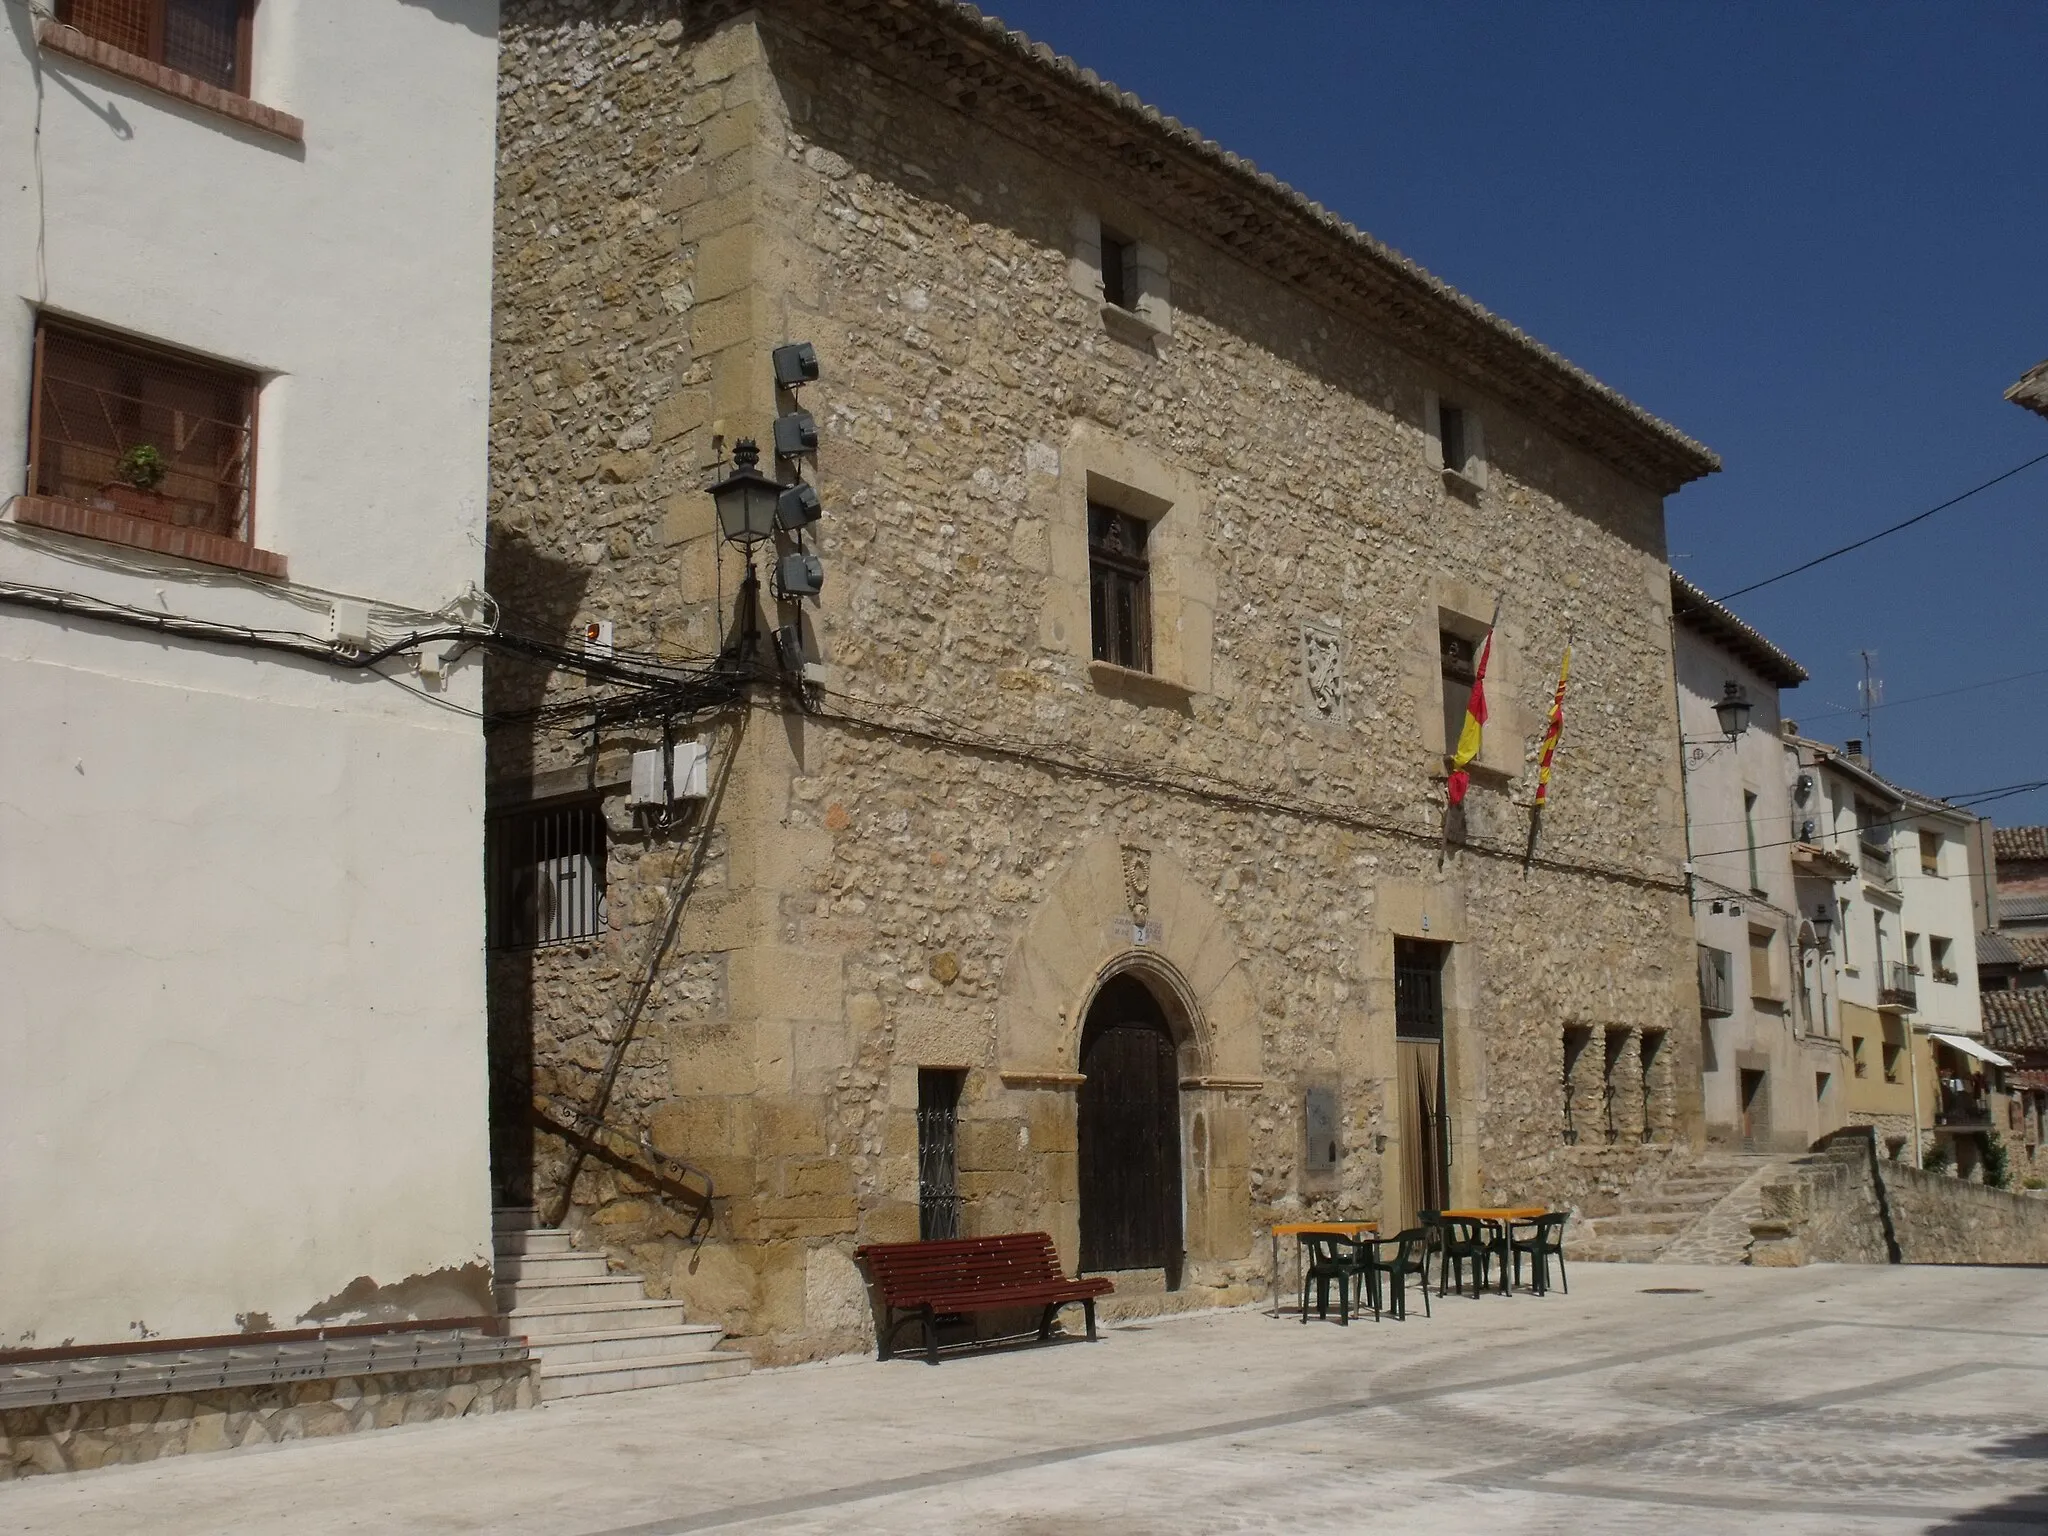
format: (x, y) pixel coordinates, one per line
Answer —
(594, 1331)
(1698, 1212)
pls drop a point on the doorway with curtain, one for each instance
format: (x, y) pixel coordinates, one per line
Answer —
(1421, 1105)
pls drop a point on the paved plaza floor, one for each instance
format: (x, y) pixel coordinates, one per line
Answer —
(1827, 1400)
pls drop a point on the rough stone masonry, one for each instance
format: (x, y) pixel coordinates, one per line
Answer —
(976, 823)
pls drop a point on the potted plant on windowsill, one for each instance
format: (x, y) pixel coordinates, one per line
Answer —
(133, 489)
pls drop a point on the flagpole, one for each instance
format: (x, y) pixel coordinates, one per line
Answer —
(1443, 852)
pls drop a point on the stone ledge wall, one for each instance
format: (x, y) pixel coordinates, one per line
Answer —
(1846, 1206)
(80, 1437)
(1828, 1209)
(1944, 1220)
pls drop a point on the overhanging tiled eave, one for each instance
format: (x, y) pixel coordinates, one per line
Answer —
(952, 53)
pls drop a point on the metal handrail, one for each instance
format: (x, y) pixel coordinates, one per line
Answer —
(590, 1131)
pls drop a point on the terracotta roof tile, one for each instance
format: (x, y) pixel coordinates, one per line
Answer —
(2019, 842)
(2018, 1019)
(1541, 381)
(1693, 607)
(2009, 947)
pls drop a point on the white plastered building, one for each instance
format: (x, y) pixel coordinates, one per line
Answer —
(241, 912)
(1771, 1054)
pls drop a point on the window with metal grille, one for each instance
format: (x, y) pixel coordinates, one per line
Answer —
(206, 39)
(1119, 588)
(938, 1152)
(544, 875)
(1418, 990)
(1458, 658)
(143, 431)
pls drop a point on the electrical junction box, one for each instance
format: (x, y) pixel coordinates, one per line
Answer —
(348, 621)
(597, 638)
(689, 776)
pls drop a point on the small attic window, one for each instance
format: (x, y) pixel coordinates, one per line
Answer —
(1118, 257)
(1452, 440)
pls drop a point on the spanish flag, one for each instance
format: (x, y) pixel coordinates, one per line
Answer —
(1475, 724)
(1552, 732)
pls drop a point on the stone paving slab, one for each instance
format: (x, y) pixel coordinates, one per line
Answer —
(1818, 1400)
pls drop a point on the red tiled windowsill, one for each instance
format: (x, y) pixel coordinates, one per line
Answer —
(74, 44)
(139, 533)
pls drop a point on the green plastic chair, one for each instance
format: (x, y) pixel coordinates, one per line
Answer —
(1458, 1244)
(1410, 1257)
(1329, 1256)
(1543, 1240)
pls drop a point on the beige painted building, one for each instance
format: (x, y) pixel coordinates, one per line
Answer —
(1076, 859)
(1890, 870)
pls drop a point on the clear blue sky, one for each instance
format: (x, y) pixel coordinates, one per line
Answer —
(1813, 236)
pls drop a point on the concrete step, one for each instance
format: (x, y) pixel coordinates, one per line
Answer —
(689, 1340)
(551, 1266)
(545, 1324)
(1641, 1224)
(539, 1240)
(522, 1295)
(1614, 1250)
(1686, 1205)
(589, 1377)
(512, 1218)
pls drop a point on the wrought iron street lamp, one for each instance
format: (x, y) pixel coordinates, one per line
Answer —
(746, 498)
(1733, 711)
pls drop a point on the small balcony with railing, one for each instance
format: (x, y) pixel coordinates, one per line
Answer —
(1876, 860)
(1897, 992)
(1962, 1109)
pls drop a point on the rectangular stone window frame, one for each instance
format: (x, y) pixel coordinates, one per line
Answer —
(1100, 470)
(1126, 276)
(1765, 984)
(1459, 609)
(1454, 440)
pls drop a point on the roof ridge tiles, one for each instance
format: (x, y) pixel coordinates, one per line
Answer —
(1529, 374)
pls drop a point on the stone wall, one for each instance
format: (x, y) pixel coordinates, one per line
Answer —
(972, 825)
(1944, 1220)
(1825, 1209)
(1850, 1205)
(81, 1437)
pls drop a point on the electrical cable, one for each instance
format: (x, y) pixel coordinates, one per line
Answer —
(1237, 796)
(1922, 698)
(1882, 533)
(1904, 818)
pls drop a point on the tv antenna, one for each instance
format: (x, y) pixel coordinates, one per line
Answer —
(1871, 692)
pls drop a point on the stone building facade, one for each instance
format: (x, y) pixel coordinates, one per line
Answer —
(984, 848)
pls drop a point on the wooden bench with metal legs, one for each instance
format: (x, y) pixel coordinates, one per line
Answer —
(925, 1281)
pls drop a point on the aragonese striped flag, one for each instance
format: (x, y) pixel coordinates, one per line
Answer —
(1552, 732)
(1475, 727)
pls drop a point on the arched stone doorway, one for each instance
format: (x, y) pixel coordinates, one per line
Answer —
(1129, 1133)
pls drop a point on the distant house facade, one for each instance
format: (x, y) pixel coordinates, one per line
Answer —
(1890, 871)
(1770, 1047)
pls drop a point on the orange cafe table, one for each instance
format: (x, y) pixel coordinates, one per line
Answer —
(1498, 1216)
(1296, 1229)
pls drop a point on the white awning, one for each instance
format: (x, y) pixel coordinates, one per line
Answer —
(1969, 1047)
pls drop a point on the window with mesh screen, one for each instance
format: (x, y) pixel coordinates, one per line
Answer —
(144, 432)
(207, 39)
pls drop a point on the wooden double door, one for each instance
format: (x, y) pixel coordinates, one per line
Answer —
(1129, 1114)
